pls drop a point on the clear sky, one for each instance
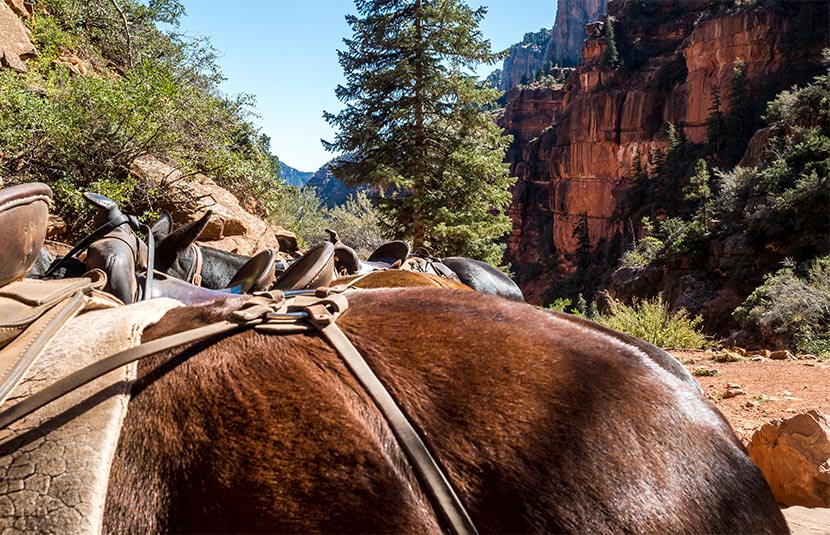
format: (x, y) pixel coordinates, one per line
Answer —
(284, 52)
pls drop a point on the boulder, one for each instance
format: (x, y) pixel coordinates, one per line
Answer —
(232, 228)
(794, 455)
(15, 44)
(20, 8)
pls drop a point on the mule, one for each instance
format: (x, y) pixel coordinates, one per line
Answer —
(178, 255)
(542, 423)
(397, 278)
(483, 277)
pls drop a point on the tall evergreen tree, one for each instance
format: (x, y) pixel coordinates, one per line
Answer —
(413, 125)
(739, 123)
(715, 124)
(611, 57)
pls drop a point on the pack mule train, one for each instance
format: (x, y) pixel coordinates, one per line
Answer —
(115, 249)
(540, 422)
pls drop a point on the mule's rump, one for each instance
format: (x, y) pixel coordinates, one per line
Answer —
(541, 423)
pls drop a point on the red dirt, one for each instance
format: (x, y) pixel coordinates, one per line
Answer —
(775, 389)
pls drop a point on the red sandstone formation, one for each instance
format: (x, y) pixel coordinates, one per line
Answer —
(603, 119)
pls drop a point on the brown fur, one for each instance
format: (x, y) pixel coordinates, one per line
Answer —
(398, 278)
(542, 424)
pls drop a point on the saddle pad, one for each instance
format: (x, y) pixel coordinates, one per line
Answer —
(54, 464)
(24, 301)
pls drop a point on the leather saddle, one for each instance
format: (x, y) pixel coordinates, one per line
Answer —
(24, 217)
(391, 255)
(314, 269)
(32, 311)
(120, 251)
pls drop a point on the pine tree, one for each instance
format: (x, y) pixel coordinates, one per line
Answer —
(413, 125)
(698, 189)
(739, 124)
(611, 57)
(715, 123)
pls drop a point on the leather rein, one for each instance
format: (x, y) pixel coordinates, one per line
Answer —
(279, 312)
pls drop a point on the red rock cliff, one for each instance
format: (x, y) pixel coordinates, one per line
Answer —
(565, 45)
(604, 118)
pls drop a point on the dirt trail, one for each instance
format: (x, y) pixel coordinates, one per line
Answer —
(774, 389)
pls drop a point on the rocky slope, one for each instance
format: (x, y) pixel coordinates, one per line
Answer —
(573, 176)
(15, 45)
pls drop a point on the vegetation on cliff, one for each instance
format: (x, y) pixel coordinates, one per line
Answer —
(109, 86)
(779, 208)
(413, 125)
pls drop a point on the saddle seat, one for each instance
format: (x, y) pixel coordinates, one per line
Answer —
(24, 218)
(312, 270)
(258, 272)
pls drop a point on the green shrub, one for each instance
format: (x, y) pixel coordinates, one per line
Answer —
(651, 320)
(145, 92)
(301, 211)
(561, 304)
(792, 309)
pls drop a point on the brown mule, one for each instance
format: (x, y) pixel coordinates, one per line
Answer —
(396, 278)
(543, 424)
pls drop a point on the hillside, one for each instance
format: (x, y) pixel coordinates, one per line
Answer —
(293, 177)
(93, 87)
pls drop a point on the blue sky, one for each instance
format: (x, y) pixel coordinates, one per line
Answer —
(284, 52)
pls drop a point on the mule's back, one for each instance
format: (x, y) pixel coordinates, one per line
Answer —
(397, 278)
(541, 423)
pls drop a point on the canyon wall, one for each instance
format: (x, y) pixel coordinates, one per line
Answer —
(575, 173)
(563, 48)
(568, 33)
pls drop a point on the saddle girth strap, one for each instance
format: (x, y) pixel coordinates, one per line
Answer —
(322, 316)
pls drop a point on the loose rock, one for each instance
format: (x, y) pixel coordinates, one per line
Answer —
(794, 455)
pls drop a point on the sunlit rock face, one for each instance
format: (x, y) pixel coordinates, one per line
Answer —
(568, 34)
(564, 48)
(603, 119)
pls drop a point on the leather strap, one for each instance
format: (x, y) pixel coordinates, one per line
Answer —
(97, 369)
(196, 266)
(323, 315)
(17, 357)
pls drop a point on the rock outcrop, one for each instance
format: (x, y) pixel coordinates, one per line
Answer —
(231, 228)
(794, 455)
(562, 47)
(15, 45)
(522, 62)
(577, 173)
(568, 33)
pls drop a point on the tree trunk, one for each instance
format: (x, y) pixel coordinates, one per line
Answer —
(418, 217)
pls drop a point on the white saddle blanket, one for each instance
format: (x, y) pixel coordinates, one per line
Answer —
(54, 464)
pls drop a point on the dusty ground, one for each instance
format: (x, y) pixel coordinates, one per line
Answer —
(775, 389)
